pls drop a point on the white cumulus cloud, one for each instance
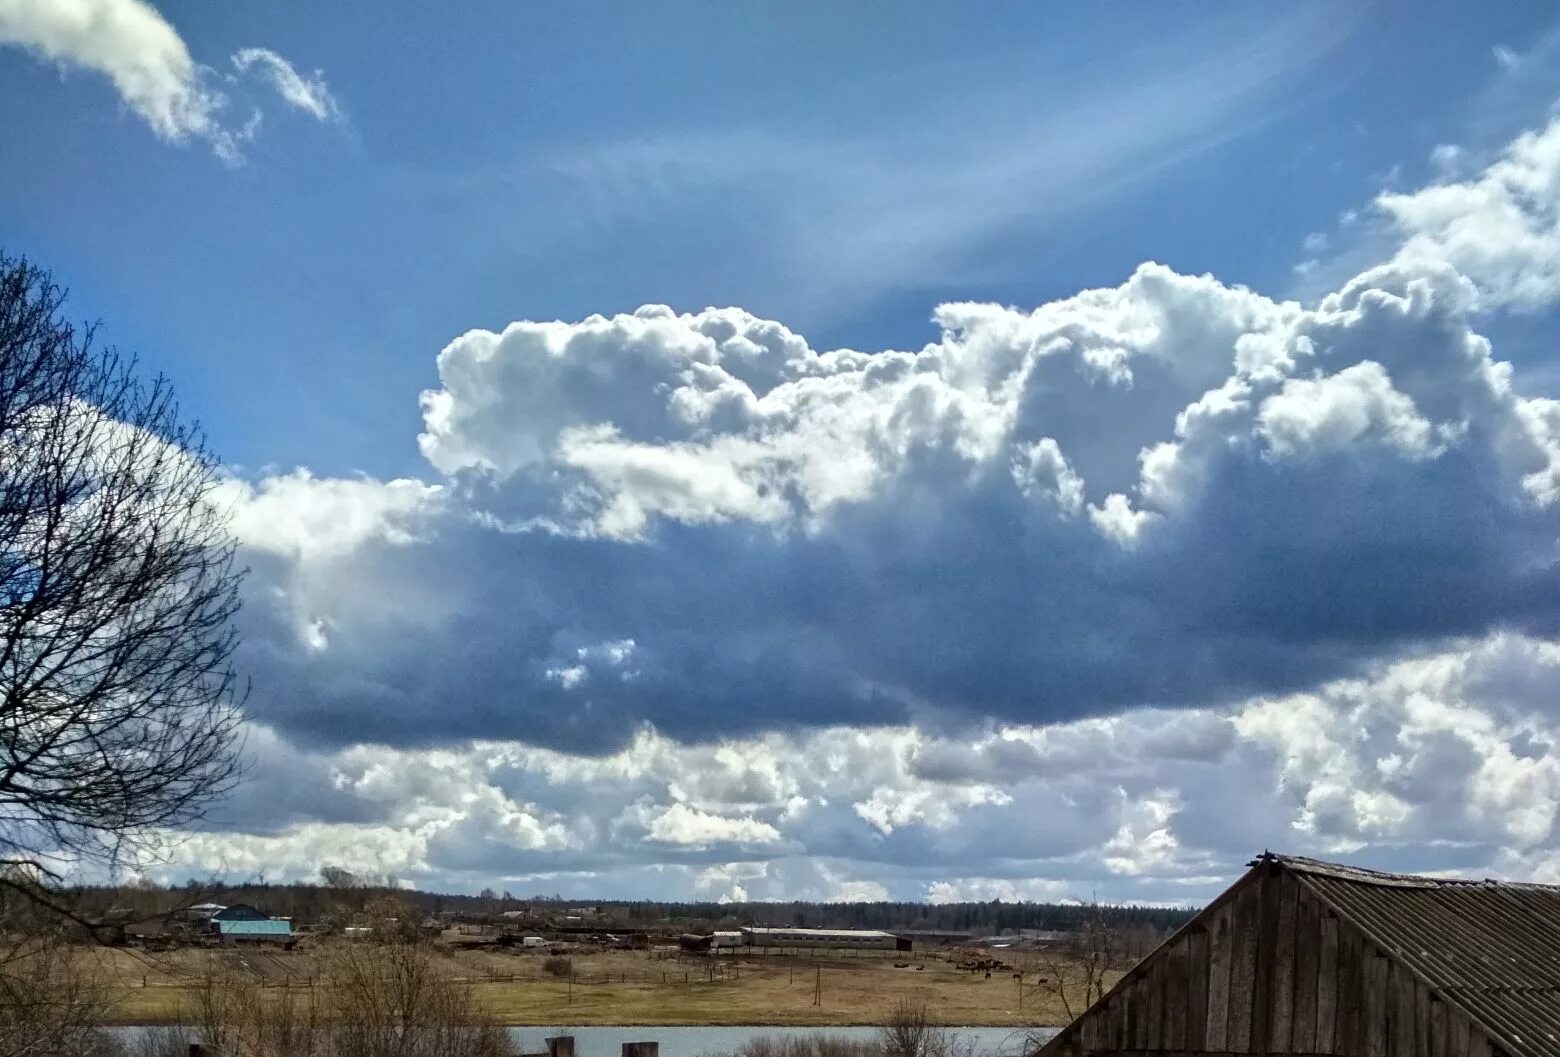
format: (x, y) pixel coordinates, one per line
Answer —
(151, 68)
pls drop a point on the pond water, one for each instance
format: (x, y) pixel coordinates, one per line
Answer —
(696, 1042)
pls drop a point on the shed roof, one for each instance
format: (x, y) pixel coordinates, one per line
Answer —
(246, 927)
(1490, 947)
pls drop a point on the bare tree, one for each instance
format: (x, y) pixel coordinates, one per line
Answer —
(118, 701)
(1076, 969)
(338, 877)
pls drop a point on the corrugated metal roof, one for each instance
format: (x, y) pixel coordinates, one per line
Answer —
(1490, 947)
(255, 928)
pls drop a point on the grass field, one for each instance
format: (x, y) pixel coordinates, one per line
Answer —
(623, 988)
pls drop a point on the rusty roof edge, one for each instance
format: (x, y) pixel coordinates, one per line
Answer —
(1155, 954)
(1360, 875)
(1357, 874)
(1435, 989)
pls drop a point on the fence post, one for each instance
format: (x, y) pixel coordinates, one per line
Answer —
(561, 1046)
(641, 1049)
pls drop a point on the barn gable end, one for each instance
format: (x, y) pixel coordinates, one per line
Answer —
(1302, 957)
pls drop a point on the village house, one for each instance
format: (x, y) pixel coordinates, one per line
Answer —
(234, 924)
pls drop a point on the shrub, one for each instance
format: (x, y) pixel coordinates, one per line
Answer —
(558, 966)
(817, 1044)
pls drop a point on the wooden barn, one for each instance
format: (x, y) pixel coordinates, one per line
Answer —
(1307, 957)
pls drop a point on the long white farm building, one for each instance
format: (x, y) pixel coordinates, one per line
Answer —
(836, 939)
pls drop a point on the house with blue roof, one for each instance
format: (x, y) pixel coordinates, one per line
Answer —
(242, 923)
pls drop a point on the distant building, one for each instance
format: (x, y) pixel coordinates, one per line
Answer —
(194, 919)
(1308, 957)
(233, 924)
(240, 912)
(247, 930)
(833, 939)
(935, 937)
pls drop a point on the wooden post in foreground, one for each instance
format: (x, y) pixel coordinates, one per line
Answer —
(641, 1049)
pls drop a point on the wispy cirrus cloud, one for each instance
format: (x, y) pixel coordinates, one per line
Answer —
(840, 219)
(309, 94)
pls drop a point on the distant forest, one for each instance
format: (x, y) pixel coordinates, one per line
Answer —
(346, 895)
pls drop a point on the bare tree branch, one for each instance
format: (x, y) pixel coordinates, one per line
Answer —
(119, 706)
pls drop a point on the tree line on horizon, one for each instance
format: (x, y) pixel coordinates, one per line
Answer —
(344, 893)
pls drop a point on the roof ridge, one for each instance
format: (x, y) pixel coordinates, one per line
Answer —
(1363, 875)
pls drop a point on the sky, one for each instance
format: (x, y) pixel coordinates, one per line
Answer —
(826, 451)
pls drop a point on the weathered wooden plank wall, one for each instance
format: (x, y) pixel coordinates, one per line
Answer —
(1272, 970)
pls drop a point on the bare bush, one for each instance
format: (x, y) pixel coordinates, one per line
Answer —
(559, 966)
(381, 999)
(239, 1017)
(162, 1041)
(50, 1004)
(910, 1031)
(819, 1044)
(391, 1000)
(906, 1032)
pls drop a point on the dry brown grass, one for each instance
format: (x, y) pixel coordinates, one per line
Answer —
(756, 990)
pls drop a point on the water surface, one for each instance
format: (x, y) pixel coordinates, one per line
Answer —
(700, 1041)
(695, 1042)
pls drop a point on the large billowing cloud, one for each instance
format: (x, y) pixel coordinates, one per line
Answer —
(1168, 493)
(1126, 586)
(129, 42)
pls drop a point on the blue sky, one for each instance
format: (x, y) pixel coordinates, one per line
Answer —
(841, 167)
(1122, 439)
